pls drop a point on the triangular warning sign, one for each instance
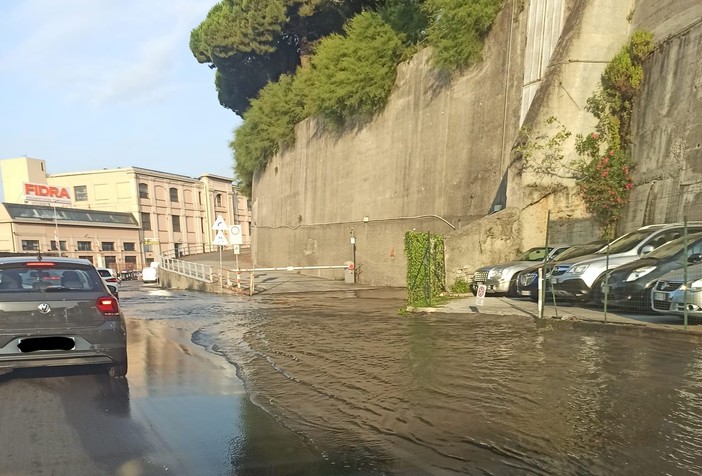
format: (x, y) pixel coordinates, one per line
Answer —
(220, 239)
(220, 224)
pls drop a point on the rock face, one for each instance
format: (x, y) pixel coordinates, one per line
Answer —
(439, 157)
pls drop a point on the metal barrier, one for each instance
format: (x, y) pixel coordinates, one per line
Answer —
(198, 271)
(196, 250)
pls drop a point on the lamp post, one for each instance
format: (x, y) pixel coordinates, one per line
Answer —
(56, 233)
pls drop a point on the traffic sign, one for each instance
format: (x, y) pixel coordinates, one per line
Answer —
(220, 224)
(220, 239)
(480, 295)
(237, 250)
(235, 237)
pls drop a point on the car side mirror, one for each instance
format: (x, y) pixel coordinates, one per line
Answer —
(695, 258)
(646, 250)
(112, 289)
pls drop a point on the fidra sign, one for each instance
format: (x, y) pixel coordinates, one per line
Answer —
(36, 192)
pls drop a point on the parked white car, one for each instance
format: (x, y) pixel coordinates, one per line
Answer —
(501, 278)
(668, 294)
(110, 278)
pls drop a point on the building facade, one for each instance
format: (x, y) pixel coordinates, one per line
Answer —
(173, 213)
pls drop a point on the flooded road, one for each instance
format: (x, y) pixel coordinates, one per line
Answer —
(342, 384)
(452, 394)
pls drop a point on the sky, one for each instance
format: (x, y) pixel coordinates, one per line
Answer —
(92, 84)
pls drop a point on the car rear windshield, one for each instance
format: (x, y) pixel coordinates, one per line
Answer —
(105, 273)
(48, 277)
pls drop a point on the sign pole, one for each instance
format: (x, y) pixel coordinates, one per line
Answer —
(221, 272)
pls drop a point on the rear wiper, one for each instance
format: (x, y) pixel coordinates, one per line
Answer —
(54, 289)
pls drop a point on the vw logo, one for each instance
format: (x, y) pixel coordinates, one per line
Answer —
(44, 308)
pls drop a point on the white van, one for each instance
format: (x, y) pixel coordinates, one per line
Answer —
(149, 275)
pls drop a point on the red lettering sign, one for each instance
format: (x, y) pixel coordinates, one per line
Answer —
(47, 193)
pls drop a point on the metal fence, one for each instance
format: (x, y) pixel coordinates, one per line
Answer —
(659, 275)
(198, 271)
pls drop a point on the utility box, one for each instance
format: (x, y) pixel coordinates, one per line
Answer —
(349, 273)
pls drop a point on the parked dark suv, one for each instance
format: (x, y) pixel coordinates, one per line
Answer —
(58, 311)
(629, 285)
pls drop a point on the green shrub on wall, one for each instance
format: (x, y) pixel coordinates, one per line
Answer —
(425, 268)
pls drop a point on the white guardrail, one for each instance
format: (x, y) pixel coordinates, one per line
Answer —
(198, 271)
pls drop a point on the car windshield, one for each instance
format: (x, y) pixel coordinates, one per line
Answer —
(534, 254)
(675, 247)
(47, 278)
(627, 242)
(579, 250)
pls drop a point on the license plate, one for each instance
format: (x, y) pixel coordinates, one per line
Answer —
(657, 296)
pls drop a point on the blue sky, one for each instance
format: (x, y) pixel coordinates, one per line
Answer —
(91, 84)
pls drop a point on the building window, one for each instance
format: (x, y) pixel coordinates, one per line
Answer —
(202, 225)
(30, 245)
(81, 193)
(62, 244)
(85, 246)
(130, 262)
(111, 262)
(199, 198)
(108, 246)
(89, 258)
(143, 190)
(145, 221)
(148, 248)
(218, 200)
(174, 194)
(176, 222)
(129, 246)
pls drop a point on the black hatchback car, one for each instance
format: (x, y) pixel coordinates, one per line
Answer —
(630, 284)
(58, 311)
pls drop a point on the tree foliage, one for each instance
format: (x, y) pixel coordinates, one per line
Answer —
(353, 75)
(253, 42)
(458, 28)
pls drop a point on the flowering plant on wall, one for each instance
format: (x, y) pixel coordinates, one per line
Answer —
(603, 179)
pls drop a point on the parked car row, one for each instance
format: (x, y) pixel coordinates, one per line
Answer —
(641, 270)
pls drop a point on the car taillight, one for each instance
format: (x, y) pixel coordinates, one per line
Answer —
(108, 306)
(111, 280)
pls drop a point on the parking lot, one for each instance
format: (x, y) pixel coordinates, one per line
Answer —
(526, 308)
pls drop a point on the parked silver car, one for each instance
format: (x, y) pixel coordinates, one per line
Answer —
(501, 278)
(668, 295)
(581, 278)
(56, 312)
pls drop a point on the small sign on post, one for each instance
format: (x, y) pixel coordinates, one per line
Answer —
(480, 295)
(235, 237)
(237, 249)
(220, 224)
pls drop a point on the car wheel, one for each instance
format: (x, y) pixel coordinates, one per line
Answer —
(118, 370)
(512, 290)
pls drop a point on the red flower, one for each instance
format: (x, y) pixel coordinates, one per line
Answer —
(595, 135)
(605, 172)
(628, 185)
(611, 152)
(619, 199)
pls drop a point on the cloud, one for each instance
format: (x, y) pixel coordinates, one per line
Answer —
(100, 51)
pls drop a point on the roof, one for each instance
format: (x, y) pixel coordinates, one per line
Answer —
(47, 259)
(43, 214)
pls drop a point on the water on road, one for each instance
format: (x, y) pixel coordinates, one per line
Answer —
(374, 392)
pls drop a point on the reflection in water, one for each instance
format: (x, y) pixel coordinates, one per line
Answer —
(376, 392)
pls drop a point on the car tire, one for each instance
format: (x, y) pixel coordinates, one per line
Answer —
(512, 289)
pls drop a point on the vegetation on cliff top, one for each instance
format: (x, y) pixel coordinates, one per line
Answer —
(281, 61)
